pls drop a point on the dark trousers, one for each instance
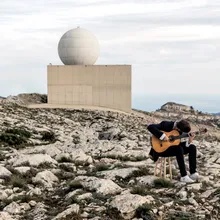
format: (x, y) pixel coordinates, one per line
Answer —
(179, 152)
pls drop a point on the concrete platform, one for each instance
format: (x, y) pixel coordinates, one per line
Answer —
(75, 107)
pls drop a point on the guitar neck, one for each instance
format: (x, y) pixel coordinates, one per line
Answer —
(180, 136)
(185, 135)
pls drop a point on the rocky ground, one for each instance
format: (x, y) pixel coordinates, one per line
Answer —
(79, 164)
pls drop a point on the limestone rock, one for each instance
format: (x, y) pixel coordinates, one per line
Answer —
(84, 196)
(79, 156)
(72, 209)
(13, 208)
(4, 172)
(194, 186)
(146, 180)
(47, 178)
(102, 186)
(112, 174)
(127, 204)
(34, 191)
(207, 193)
(182, 194)
(22, 170)
(3, 195)
(60, 156)
(5, 216)
(32, 160)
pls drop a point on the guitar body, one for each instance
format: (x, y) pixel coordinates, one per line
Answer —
(160, 146)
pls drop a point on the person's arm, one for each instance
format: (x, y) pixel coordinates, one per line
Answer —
(190, 140)
(155, 129)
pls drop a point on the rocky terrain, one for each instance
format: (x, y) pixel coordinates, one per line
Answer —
(83, 164)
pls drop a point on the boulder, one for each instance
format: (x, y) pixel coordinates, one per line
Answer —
(5, 216)
(47, 178)
(32, 160)
(4, 172)
(70, 211)
(128, 203)
(101, 186)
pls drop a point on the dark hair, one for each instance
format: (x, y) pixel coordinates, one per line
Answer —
(184, 126)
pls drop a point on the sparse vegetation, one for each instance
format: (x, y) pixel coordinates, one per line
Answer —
(217, 192)
(182, 216)
(113, 213)
(46, 165)
(24, 198)
(48, 136)
(73, 216)
(62, 175)
(161, 182)
(16, 180)
(76, 139)
(18, 131)
(140, 190)
(101, 167)
(74, 184)
(15, 136)
(142, 171)
(140, 158)
(143, 212)
(64, 159)
(66, 167)
(126, 157)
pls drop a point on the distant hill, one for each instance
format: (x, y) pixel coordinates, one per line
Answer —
(218, 113)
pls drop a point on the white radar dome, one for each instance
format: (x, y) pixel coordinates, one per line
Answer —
(78, 47)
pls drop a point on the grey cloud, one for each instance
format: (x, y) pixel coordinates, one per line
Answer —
(26, 47)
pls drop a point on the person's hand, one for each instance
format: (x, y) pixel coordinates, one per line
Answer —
(191, 138)
(166, 138)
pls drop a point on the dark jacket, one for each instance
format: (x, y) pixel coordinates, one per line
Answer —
(156, 130)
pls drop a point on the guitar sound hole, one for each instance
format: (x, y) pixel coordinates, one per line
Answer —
(171, 138)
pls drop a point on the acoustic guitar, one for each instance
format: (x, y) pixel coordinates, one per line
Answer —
(174, 139)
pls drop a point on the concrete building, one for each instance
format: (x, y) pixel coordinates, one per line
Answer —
(94, 85)
(80, 83)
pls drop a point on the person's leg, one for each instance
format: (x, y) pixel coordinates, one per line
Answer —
(179, 153)
(191, 150)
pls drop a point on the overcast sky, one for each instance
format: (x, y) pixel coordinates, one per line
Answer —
(173, 45)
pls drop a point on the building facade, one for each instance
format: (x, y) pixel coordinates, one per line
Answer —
(106, 86)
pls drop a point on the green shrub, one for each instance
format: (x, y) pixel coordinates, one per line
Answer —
(18, 181)
(76, 139)
(140, 190)
(101, 167)
(66, 167)
(19, 131)
(140, 158)
(143, 212)
(142, 171)
(48, 136)
(64, 159)
(217, 192)
(15, 136)
(74, 184)
(12, 139)
(161, 182)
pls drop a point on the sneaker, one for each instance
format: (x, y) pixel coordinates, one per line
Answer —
(194, 176)
(186, 179)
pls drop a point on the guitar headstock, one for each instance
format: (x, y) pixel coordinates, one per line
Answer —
(200, 131)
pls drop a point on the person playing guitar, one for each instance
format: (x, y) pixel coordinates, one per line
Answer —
(159, 131)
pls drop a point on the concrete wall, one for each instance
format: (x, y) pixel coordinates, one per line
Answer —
(95, 85)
